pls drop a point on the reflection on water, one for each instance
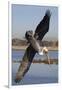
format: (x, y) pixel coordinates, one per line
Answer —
(38, 73)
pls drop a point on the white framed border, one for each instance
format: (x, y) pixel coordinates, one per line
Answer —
(9, 33)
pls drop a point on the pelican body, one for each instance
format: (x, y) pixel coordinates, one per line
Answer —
(31, 39)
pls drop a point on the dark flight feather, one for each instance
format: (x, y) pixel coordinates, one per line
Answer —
(43, 26)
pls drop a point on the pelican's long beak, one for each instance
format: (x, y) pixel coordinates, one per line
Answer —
(48, 58)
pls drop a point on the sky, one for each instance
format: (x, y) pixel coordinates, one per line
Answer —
(27, 17)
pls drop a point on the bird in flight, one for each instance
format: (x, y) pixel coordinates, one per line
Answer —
(34, 47)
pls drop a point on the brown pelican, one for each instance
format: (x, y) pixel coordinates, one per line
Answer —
(34, 47)
(35, 44)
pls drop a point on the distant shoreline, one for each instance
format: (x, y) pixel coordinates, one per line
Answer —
(24, 48)
(52, 61)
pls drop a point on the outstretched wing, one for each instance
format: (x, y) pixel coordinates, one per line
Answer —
(25, 64)
(43, 26)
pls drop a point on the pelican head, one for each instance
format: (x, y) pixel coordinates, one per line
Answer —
(45, 50)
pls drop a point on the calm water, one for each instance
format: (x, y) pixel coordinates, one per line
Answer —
(38, 73)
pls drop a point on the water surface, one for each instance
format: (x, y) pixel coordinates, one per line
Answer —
(18, 54)
(38, 73)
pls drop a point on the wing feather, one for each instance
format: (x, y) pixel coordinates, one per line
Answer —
(25, 64)
(43, 26)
